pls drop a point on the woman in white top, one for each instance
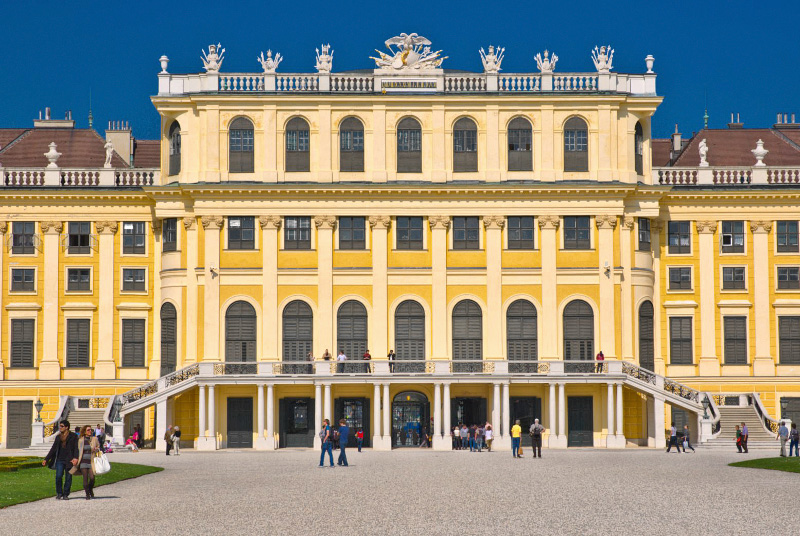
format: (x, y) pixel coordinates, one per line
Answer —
(489, 434)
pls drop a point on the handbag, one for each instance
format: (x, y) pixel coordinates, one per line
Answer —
(685, 445)
(101, 464)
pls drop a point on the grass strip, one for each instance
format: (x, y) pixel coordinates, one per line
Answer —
(788, 464)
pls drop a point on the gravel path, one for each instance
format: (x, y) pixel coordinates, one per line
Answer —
(424, 492)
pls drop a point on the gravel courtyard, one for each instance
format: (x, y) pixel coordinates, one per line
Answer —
(425, 492)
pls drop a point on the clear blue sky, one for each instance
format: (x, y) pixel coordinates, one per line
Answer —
(745, 56)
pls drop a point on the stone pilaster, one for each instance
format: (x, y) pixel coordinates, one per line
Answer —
(763, 362)
(3, 231)
(270, 227)
(212, 226)
(656, 227)
(627, 317)
(494, 285)
(709, 361)
(380, 284)
(105, 367)
(325, 226)
(439, 226)
(192, 252)
(606, 223)
(548, 243)
(50, 368)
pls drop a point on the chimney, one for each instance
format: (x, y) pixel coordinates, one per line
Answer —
(676, 140)
(735, 125)
(786, 121)
(119, 134)
(49, 122)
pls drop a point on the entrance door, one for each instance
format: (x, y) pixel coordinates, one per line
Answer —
(20, 417)
(468, 410)
(355, 411)
(240, 423)
(525, 408)
(296, 424)
(580, 424)
(410, 417)
(133, 419)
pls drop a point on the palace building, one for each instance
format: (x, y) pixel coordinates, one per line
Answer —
(495, 230)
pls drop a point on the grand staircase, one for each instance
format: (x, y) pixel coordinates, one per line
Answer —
(731, 416)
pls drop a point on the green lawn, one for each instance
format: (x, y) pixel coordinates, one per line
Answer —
(791, 465)
(32, 484)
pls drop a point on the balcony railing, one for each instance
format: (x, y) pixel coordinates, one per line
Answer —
(733, 176)
(79, 177)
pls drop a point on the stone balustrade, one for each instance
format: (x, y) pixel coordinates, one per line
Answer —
(78, 177)
(725, 175)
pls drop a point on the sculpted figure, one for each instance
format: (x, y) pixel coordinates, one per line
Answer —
(213, 60)
(703, 148)
(324, 60)
(492, 60)
(546, 64)
(269, 64)
(109, 147)
(602, 59)
(411, 51)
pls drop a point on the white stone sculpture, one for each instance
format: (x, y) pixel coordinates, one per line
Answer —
(703, 153)
(547, 64)
(269, 64)
(324, 60)
(649, 61)
(109, 147)
(410, 52)
(760, 153)
(52, 156)
(492, 60)
(602, 59)
(164, 60)
(213, 60)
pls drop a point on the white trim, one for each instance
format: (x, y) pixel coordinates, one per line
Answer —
(23, 314)
(562, 233)
(78, 314)
(744, 290)
(147, 235)
(134, 314)
(134, 292)
(504, 320)
(69, 267)
(256, 235)
(691, 290)
(11, 268)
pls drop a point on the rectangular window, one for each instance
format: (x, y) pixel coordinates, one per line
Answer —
(133, 279)
(789, 337)
(788, 277)
(23, 238)
(78, 333)
(78, 232)
(679, 237)
(409, 232)
(576, 232)
(733, 237)
(519, 140)
(465, 141)
(133, 237)
(520, 232)
(575, 140)
(297, 141)
(735, 328)
(169, 234)
(680, 278)
(242, 141)
(409, 140)
(297, 232)
(787, 236)
(242, 232)
(133, 342)
(352, 233)
(22, 280)
(352, 140)
(733, 277)
(465, 232)
(680, 340)
(644, 234)
(22, 333)
(79, 279)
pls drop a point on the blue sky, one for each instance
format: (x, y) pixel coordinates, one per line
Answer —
(744, 56)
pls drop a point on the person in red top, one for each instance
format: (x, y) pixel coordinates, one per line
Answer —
(366, 357)
(360, 438)
(600, 357)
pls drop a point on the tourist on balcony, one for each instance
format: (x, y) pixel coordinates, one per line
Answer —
(326, 435)
(390, 357)
(745, 433)
(87, 446)
(366, 357)
(489, 433)
(168, 438)
(327, 355)
(738, 439)
(344, 435)
(536, 437)
(516, 432)
(783, 437)
(341, 358)
(687, 441)
(62, 457)
(673, 439)
(176, 440)
(600, 358)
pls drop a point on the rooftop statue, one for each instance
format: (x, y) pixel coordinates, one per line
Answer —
(602, 59)
(269, 64)
(213, 60)
(547, 64)
(109, 147)
(410, 51)
(703, 148)
(324, 60)
(492, 60)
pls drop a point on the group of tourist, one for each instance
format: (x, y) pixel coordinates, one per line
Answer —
(680, 439)
(475, 438)
(784, 435)
(339, 437)
(72, 453)
(342, 359)
(172, 437)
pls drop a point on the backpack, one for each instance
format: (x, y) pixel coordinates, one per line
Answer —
(536, 430)
(794, 434)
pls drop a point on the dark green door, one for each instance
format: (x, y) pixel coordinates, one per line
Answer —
(468, 410)
(580, 421)
(526, 408)
(20, 417)
(240, 423)
(296, 426)
(356, 412)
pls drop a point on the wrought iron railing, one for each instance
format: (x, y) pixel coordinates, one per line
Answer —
(289, 367)
(140, 392)
(235, 368)
(180, 376)
(528, 367)
(585, 367)
(639, 373)
(681, 390)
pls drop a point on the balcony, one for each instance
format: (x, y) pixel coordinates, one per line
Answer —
(78, 178)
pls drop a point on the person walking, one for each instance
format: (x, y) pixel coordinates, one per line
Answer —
(340, 359)
(745, 433)
(687, 440)
(536, 437)
(516, 432)
(62, 457)
(344, 435)
(326, 435)
(794, 440)
(390, 357)
(489, 432)
(360, 438)
(673, 439)
(600, 358)
(168, 438)
(367, 357)
(464, 435)
(783, 437)
(87, 446)
(738, 439)
(454, 438)
(176, 440)
(479, 436)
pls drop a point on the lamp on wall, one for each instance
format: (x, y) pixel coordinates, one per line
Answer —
(705, 407)
(607, 269)
(784, 405)
(38, 405)
(117, 406)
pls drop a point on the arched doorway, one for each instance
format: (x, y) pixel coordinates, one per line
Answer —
(410, 419)
(409, 337)
(240, 333)
(169, 355)
(578, 331)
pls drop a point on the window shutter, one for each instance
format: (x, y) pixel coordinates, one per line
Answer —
(646, 348)
(789, 335)
(297, 331)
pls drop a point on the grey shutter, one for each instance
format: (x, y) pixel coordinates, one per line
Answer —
(735, 333)
(22, 333)
(578, 331)
(521, 331)
(789, 335)
(297, 331)
(240, 333)
(78, 342)
(169, 336)
(681, 341)
(133, 342)
(409, 336)
(351, 332)
(467, 335)
(646, 348)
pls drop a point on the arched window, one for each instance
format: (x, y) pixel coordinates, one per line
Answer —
(298, 145)
(169, 338)
(521, 335)
(240, 333)
(578, 331)
(241, 146)
(409, 146)
(351, 145)
(467, 336)
(576, 145)
(351, 333)
(639, 149)
(465, 145)
(174, 148)
(646, 351)
(520, 145)
(409, 336)
(298, 335)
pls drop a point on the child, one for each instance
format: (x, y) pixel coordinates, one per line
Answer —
(360, 438)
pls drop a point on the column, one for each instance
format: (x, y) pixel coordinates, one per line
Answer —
(376, 415)
(270, 226)
(655, 243)
(494, 284)
(162, 415)
(562, 412)
(506, 417)
(324, 163)
(212, 418)
(317, 413)
(105, 367)
(212, 226)
(551, 417)
(620, 429)
(496, 409)
(448, 425)
(50, 368)
(155, 343)
(380, 285)
(270, 417)
(327, 410)
(764, 363)
(606, 223)
(387, 423)
(656, 432)
(192, 250)
(548, 339)
(260, 418)
(709, 364)
(439, 226)
(610, 438)
(325, 226)
(201, 426)
(627, 314)
(437, 417)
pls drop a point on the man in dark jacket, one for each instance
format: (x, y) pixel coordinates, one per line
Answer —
(62, 456)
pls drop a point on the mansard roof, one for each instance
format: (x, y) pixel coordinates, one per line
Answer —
(733, 146)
